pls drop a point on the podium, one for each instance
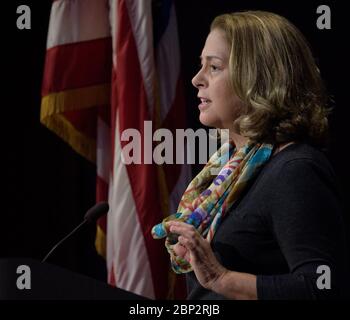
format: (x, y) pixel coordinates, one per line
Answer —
(27, 279)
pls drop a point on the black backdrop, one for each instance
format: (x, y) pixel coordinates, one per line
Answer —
(47, 187)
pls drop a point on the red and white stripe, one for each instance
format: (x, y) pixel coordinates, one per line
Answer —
(79, 55)
(136, 262)
(77, 21)
(79, 58)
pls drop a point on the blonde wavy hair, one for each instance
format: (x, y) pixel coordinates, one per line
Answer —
(273, 72)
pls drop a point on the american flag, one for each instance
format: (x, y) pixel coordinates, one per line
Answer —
(111, 66)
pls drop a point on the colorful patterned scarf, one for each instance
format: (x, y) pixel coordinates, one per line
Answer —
(209, 197)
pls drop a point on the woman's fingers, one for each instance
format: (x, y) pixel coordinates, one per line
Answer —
(183, 229)
(180, 250)
(196, 250)
(189, 238)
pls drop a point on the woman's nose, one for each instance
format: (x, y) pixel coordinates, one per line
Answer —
(198, 80)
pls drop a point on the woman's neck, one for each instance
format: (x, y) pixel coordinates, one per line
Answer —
(238, 140)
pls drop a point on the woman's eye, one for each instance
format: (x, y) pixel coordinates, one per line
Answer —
(212, 68)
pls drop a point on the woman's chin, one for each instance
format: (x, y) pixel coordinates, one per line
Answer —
(207, 120)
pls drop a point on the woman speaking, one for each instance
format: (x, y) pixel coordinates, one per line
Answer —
(269, 225)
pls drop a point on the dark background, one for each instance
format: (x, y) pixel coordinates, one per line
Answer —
(47, 187)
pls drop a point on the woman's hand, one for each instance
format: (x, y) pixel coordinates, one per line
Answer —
(197, 251)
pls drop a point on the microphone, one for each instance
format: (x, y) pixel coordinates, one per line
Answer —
(97, 211)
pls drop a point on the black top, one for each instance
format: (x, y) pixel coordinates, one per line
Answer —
(286, 225)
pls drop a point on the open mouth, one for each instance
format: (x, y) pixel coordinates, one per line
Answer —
(204, 103)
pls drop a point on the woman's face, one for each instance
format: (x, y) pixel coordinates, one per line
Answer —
(219, 105)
